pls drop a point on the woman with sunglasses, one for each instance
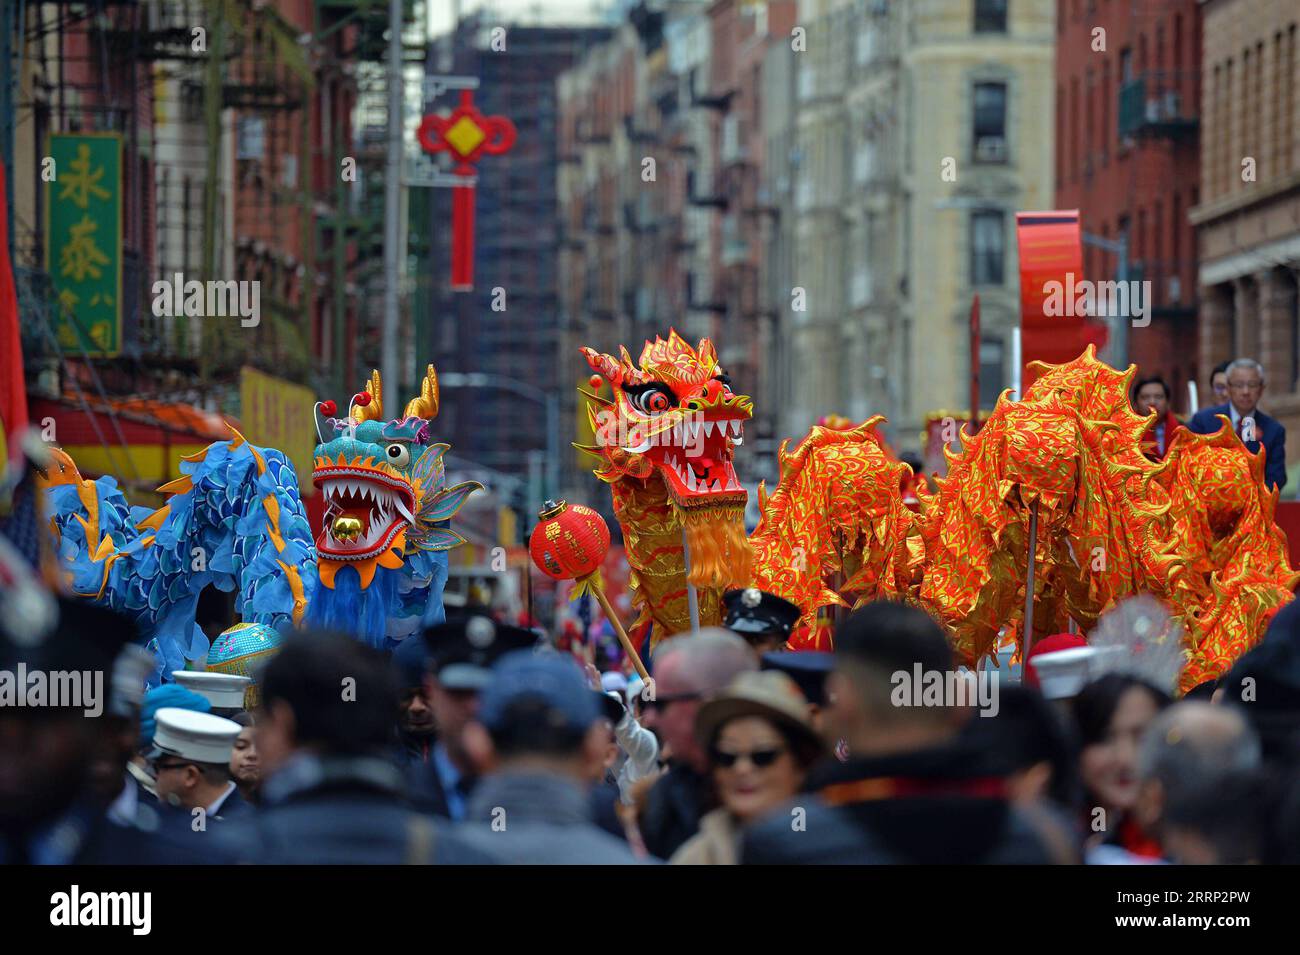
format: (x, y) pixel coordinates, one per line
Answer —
(760, 745)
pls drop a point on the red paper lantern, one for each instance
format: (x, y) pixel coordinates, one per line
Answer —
(570, 541)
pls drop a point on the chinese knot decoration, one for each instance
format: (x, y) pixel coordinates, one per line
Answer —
(466, 134)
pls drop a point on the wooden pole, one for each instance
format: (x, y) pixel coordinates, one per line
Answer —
(692, 600)
(975, 365)
(1028, 639)
(618, 629)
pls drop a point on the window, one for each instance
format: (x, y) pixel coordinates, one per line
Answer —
(990, 16)
(990, 114)
(992, 372)
(987, 247)
(250, 136)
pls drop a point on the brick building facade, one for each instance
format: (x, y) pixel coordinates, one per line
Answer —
(1248, 220)
(1127, 157)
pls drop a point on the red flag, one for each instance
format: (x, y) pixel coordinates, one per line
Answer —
(13, 389)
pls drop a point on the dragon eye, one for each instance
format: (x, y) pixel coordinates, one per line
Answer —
(654, 400)
(399, 456)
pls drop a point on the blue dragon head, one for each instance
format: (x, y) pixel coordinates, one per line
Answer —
(382, 548)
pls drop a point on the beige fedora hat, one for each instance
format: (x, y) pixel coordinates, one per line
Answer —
(767, 693)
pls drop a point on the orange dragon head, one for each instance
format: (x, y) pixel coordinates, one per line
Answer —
(673, 412)
(674, 418)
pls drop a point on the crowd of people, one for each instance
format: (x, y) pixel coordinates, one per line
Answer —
(480, 743)
(1236, 387)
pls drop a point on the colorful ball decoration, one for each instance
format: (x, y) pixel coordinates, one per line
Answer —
(242, 650)
(569, 542)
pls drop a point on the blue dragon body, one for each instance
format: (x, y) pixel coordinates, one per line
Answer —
(235, 520)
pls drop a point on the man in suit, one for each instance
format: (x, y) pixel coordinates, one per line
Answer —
(1152, 395)
(1256, 429)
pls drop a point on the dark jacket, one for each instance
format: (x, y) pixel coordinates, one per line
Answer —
(426, 789)
(85, 835)
(604, 800)
(235, 807)
(1269, 432)
(937, 805)
(414, 750)
(673, 808)
(343, 810)
(538, 819)
(1151, 446)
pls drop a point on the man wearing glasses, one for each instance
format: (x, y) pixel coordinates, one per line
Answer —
(1256, 429)
(687, 671)
(191, 762)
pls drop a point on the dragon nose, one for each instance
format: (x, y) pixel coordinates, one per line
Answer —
(707, 394)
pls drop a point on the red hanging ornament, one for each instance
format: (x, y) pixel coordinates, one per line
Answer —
(328, 408)
(466, 135)
(361, 399)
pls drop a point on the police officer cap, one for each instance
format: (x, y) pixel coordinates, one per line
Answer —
(462, 651)
(752, 612)
(808, 669)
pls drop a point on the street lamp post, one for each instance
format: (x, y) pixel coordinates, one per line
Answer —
(548, 401)
(394, 251)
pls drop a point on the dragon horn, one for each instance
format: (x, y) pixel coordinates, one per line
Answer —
(375, 410)
(426, 404)
(603, 364)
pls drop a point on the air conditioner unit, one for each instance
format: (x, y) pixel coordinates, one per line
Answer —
(807, 82)
(1154, 107)
(868, 45)
(860, 290)
(1173, 108)
(991, 149)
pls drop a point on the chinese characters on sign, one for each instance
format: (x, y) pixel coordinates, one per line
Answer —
(84, 240)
